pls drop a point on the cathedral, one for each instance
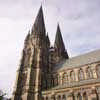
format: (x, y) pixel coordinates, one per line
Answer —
(47, 72)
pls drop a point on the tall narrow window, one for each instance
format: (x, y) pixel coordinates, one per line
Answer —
(81, 75)
(89, 73)
(72, 76)
(64, 78)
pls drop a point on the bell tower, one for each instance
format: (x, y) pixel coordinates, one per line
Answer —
(34, 62)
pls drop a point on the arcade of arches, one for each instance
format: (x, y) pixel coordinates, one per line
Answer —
(75, 84)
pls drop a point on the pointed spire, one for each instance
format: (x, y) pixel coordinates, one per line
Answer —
(59, 44)
(39, 26)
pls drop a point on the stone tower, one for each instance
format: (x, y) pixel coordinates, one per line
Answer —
(34, 62)
(59, 52)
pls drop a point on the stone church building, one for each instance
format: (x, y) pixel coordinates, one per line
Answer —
(48, 73)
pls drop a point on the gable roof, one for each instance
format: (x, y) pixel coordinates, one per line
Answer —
(79, 61)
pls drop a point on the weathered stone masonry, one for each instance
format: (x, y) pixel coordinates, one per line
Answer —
(47, 73)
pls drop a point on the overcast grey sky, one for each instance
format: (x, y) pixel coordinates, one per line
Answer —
(79, 21)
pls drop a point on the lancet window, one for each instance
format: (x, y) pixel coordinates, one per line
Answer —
(89, 73)
(81, 75)
(64, 78)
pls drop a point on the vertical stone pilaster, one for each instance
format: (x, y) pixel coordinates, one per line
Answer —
(61, 78)
(76, 74)
(56, 97)
(25, 94)
(82, 96)
(69, 76)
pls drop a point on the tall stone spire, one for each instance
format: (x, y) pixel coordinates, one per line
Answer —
(59, 44)
(39, 26)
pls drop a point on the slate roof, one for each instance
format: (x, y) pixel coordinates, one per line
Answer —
(79, 61)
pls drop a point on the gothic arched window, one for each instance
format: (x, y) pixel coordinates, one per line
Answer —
(72, 76)
(89, 73)
(98, 70)
(64, 78)
(81, 75)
